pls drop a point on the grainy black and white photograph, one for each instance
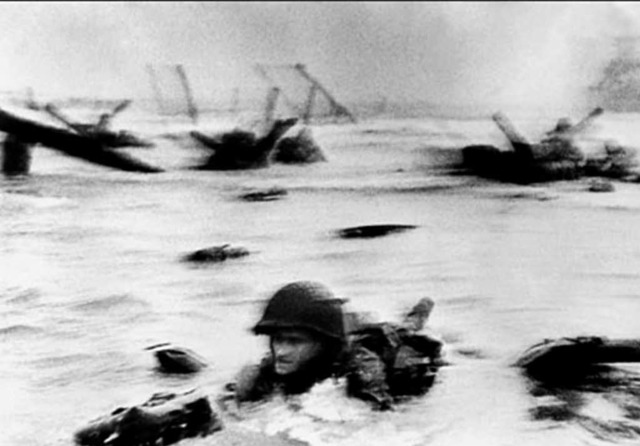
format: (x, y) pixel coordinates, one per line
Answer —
(320, 223)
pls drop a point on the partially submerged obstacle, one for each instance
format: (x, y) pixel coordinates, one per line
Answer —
(241, 149)
(101, 129)
(16, 158)
(305, 112)
(298, 147)
(24, 132)
(167, 106)
(554, 158)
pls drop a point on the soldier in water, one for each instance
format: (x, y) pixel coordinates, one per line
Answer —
(311, 339)
(559, 144)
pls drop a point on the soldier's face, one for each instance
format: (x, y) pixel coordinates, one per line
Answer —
(292, 349)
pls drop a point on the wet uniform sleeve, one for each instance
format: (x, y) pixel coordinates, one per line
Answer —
(388, 362)
(251, 384)
(366, 378)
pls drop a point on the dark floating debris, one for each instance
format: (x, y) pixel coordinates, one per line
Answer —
(370, 231)
(165, 418)
(553, 358)
(555, 157)
(216, 254)
(601, 185)
(173, 359)
(275, 193)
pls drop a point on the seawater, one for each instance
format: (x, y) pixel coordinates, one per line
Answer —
(91, 269)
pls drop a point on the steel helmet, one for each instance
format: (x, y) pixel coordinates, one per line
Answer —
(307, 305)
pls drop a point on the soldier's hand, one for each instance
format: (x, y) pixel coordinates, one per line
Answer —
(228, 403)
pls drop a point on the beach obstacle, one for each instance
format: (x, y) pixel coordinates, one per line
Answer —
(241, 149)
(24, 133)
(315, 90)
(16, 156)
(298, 147)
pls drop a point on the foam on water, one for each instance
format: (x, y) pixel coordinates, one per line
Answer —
(325, 416)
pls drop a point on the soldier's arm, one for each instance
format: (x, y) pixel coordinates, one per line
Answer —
(366, 378)
(251, 384)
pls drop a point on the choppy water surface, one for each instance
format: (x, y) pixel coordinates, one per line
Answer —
(91, 275)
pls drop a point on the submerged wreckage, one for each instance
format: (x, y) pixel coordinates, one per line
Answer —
(284, 138)
(242, 149)
(95, 144)
(555, 157)
(101, 130)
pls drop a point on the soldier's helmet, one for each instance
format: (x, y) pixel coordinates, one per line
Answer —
(563, 124)
(303, 305)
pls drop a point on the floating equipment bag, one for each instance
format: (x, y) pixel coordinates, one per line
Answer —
(164, 419)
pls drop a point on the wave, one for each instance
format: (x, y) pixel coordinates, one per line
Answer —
(326, 416)
(62, 360)
(25, 199)
(21, 296)
(19, 330)
(376, 185)
(604, 404)
(115, 302)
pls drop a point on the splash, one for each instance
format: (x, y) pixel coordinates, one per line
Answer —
(326, 416)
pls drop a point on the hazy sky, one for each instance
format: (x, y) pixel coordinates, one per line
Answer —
(447, 52)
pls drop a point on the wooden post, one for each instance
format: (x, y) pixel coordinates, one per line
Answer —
(120, 107)
(31, 100)
(192, 110)
(291, 104)
(16, 159)
(308, 110)
(54, 112)
(270, 108)
(63, 140)
(338, 108)
(586, 121)
(156, 89)
(520, 144)
(507, 127)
